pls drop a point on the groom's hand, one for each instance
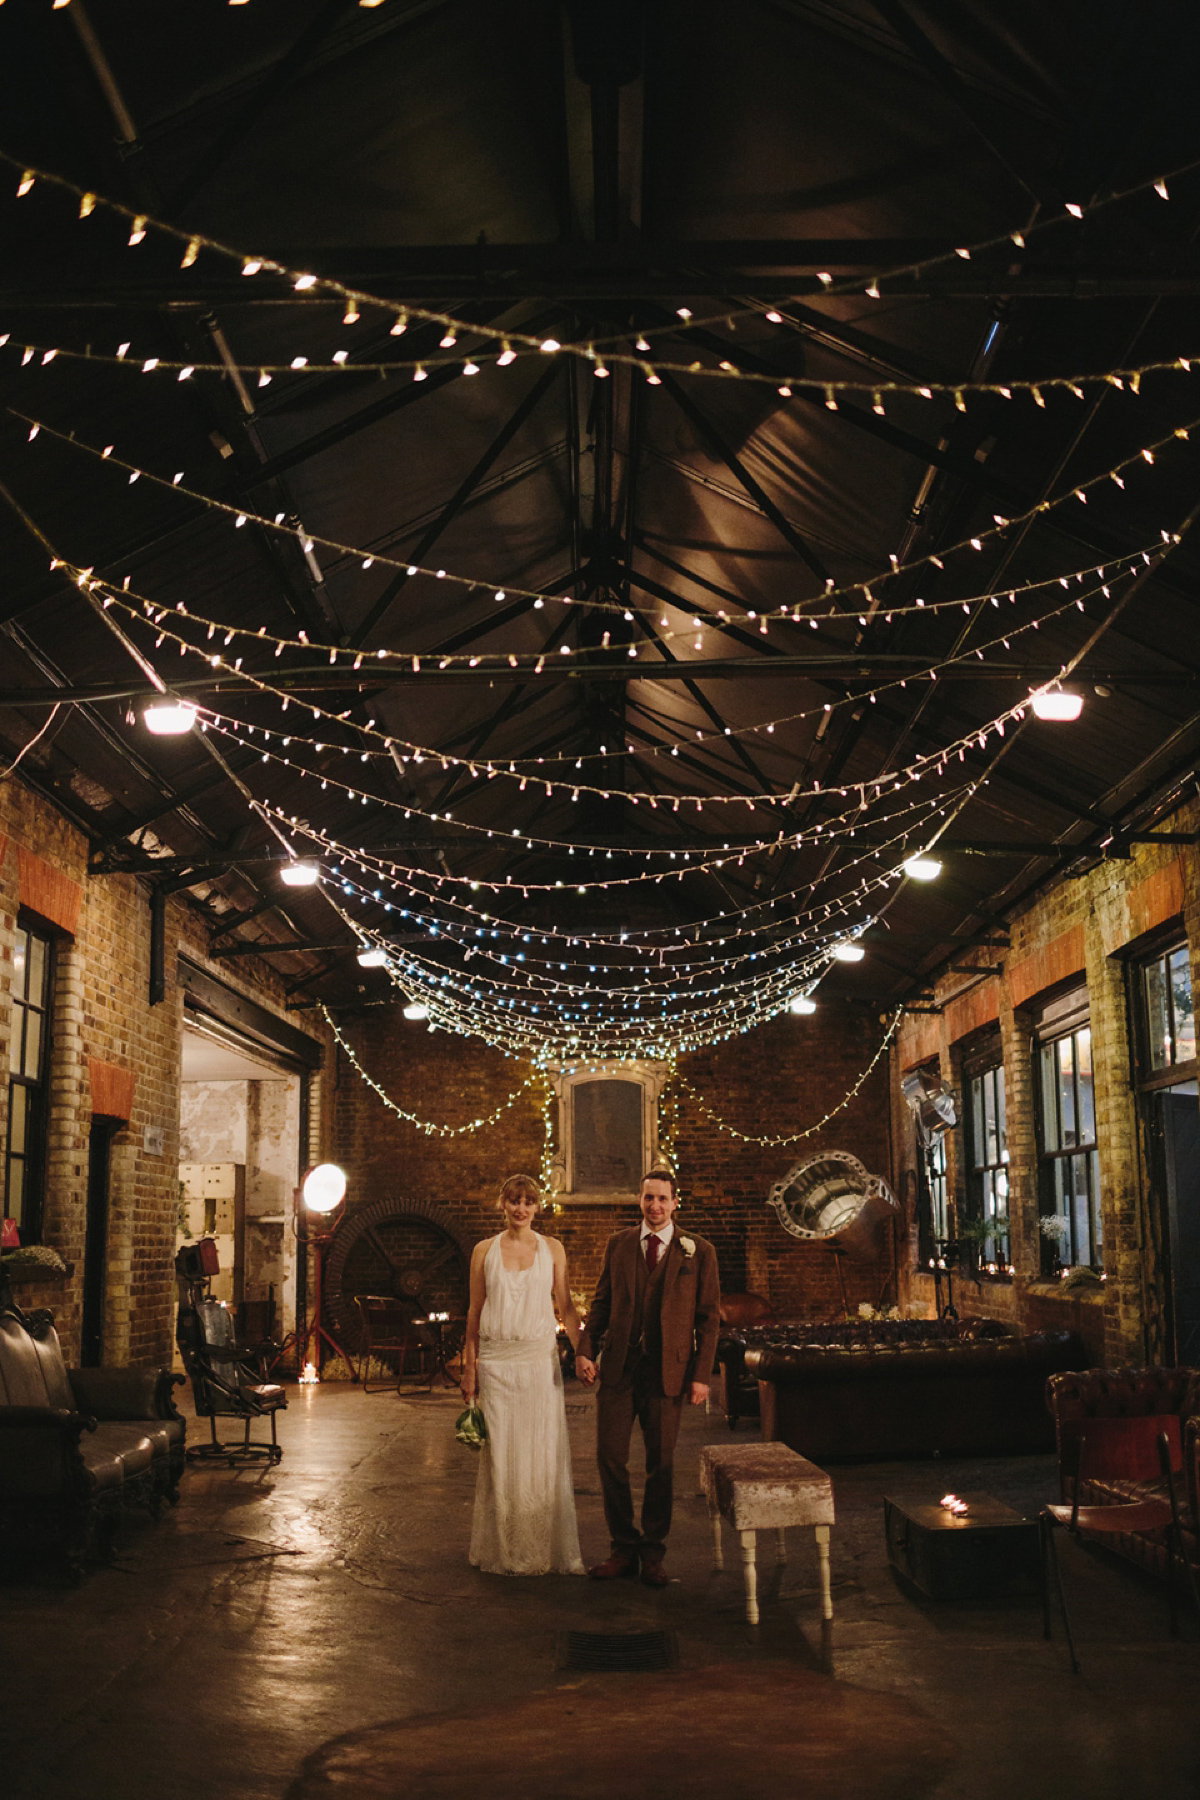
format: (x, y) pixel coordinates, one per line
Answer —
(585, 1368)
(699, 1393)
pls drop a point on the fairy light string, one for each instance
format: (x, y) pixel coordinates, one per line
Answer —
(354, 300)
(793, 1137)
(861, 596)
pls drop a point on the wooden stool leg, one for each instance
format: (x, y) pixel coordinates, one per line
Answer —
(747, 1538)
(822, 1536)
(718, 1551)
(780, 1544)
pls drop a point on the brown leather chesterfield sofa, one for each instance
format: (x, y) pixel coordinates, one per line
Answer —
(926, 1397)
(78, 1446)
(1073, 1399)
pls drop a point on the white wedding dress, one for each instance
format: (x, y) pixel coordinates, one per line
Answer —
(524, 1520)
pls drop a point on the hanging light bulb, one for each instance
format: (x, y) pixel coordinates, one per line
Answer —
(416, 1010)
(300, 874)
(800, 1003)
(373, 956)
(848, 952)
(1056, 703)
(169, 717)
(923, 868)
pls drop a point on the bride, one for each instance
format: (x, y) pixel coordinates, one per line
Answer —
(524, 1520)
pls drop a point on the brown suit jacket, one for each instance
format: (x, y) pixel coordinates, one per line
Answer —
(690, 1309)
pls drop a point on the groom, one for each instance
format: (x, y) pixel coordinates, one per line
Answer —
(655, 1316)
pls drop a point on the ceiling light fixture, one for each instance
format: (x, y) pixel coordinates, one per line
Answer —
(848, 952)
(302, 874)
(1056, 703)
(802, 1004)
(415, 1010)
(923, 868)
(169, 717)
(372, 956)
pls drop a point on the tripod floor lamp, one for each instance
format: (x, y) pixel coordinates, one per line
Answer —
(320, 1200)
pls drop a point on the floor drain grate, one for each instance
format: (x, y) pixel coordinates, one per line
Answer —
(617, 1652)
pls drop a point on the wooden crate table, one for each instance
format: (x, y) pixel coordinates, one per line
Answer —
(988, 1552)
(767, 1487)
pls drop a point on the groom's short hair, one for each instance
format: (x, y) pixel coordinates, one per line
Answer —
(661, 1175)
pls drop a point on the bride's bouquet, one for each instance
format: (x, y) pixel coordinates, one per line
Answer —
(470, 1428)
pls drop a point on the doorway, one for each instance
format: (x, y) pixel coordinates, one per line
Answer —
(1177, 1112)
(95, 1242)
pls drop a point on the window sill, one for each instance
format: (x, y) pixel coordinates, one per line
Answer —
(1055, 1290)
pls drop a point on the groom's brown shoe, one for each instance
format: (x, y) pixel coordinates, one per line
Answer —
(653, 1573)
(618, 1567)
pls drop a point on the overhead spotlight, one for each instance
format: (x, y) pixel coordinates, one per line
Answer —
(800, 1003)
(372, 956)
(416, 1010)
(323, 1188)
(168, 717)
(1056, 703)
(848, 951)
(923, 868)
(302, 874)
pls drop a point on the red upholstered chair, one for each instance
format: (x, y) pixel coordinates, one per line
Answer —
(1142, 1448)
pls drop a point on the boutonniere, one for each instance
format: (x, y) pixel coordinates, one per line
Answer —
(688, 1246)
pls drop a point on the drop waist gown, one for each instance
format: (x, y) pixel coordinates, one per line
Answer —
(524, 1521)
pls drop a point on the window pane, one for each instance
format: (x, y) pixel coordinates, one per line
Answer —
(18, 1110)
(37, 970)
(16, 1043)
(1158, 1020)
(977, 1156)
(1066, 1091)
(1001, 1119)
(989, 1151)
(14, 1198)
(1048, 1088)
(1087, 1095)
(20, 964)
(1181, 999)
(33, 1043)
(1080, 1216)
(1097, 1219)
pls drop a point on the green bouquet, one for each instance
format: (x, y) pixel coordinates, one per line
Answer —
(470, 1428)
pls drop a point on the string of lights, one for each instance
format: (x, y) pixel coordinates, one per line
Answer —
(36, 354)
(861, 595)
(794, 1137)
(428, 1126)
(355, 301)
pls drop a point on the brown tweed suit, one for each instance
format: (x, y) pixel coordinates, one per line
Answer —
(658, 1334)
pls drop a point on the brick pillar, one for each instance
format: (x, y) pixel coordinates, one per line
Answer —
(68, 1122)
(118, 1260)
(1025, 1241)
(1122, 1202)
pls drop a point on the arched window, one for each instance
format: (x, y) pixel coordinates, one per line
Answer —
(607, 1130)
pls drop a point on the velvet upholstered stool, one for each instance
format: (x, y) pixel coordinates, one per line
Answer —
(763, 1487)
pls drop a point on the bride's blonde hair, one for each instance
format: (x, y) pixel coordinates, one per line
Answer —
(517, 1185)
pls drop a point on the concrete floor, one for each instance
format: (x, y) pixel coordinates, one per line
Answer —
(316, 1628)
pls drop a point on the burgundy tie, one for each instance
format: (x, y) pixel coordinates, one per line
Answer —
(653, 1246)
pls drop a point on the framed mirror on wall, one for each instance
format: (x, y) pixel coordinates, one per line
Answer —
(607, 1130)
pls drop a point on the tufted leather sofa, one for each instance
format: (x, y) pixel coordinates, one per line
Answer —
(78, 1446)
(961, 1396)
(746, 1328)
(1075, 1398)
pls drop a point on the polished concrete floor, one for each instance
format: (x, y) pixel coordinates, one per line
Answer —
(316, 1628)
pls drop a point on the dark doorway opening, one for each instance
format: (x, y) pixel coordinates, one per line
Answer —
(1179, 1123)
(95, 1243)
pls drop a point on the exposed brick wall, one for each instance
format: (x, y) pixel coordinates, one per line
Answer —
(102, 1016)
(780, 1078)
(1080, 928)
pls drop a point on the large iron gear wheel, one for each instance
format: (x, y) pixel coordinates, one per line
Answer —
(386, 1248)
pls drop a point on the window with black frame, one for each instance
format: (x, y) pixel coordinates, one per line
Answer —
(1168, 1097)
(29, 1056)
(987, 1166)
(1068, 1161)
(932, 1216)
